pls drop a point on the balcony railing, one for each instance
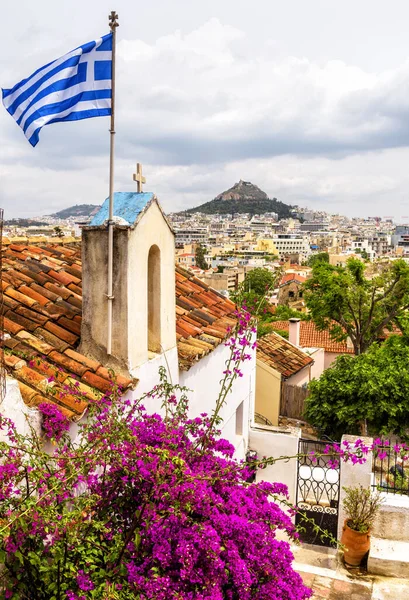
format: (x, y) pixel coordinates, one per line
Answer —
(390, 469)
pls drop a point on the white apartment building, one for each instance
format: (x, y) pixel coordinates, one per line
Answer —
(197, 235)
(291, 243)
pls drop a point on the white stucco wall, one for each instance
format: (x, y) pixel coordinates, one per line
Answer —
(151, 230)
(14, 408)
(330, 357)
(318, 367)
(300, 378)
(353, 475)
(204, 381)
(148, 375)
(275, 442)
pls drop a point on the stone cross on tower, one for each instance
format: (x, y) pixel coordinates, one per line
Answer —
(140, 180)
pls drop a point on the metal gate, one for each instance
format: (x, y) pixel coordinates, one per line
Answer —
(317, 493)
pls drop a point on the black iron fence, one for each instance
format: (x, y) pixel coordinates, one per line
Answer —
(317, 493)
(390, 469)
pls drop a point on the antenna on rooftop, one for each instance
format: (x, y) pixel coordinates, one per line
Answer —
(2, 366)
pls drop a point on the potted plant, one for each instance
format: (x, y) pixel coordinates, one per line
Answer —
(361, 507)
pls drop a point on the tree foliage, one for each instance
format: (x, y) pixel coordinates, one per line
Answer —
(321, 257)
(350, 302)
(200, 257)
(259, 281)
(371, 388)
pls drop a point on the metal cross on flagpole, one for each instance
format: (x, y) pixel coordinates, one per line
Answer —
(113, 24)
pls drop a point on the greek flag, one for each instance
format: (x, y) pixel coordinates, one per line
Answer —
(73, 87)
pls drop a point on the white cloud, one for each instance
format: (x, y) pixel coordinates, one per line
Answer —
(206, 108)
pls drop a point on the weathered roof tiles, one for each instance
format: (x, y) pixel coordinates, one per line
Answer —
(279, 354)
(311, 337)
(42, 308)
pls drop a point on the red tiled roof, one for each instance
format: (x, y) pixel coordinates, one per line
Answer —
(289, 277)
(203, 318)
(279, 354)
(310, 337)
(42, 308)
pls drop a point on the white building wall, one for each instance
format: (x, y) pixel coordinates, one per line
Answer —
(204, 381)
(330, 357)
(14, 408)
(276, 442)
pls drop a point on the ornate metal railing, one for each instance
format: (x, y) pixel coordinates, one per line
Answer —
(318, 487)
(390, 470)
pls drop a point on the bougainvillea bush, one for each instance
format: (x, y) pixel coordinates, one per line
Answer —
(140, 506)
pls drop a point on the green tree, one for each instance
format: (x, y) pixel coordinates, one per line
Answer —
(321, 257)
(259, 281)
(370, 391)
(283, 313)
(362, 252)
(350, 302)
(200, 257)
(58, 231)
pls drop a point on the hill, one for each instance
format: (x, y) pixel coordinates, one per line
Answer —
(243, 197)
(79, 210)
(25, 223)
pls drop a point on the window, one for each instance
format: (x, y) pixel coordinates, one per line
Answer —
(154, 300)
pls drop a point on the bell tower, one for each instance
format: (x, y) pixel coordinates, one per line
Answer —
(143, 305)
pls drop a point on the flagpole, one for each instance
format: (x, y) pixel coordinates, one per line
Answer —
(113, 23)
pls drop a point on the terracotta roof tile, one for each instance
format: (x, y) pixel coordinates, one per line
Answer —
(17, 319)
(34, 341)
(200, 318)
(279, 354)
(124, 382)
(96, 381)
(91, 364)
(292, 277)
(59, 291)
(63, 277)
(14, 362)
(71, 325)
(31, 377)
(52, 340)
(42, 304)
(62, 333)
(45, 292)
(42, 300)
(71, 365)
(32, 315)
(11, 326)
(310, 337)
(16, 295)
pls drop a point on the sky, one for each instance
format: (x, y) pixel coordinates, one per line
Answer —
(308, 100)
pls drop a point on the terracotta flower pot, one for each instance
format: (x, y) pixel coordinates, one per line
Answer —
(356, 545)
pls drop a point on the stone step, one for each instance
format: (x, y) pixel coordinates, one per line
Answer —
(389, 558)
(318, 556)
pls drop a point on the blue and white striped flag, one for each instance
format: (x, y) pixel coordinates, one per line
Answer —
(73, 87)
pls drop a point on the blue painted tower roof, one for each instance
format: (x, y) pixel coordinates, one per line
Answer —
(127, 206)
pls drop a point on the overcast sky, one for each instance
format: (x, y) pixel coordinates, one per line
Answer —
(308, 100)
